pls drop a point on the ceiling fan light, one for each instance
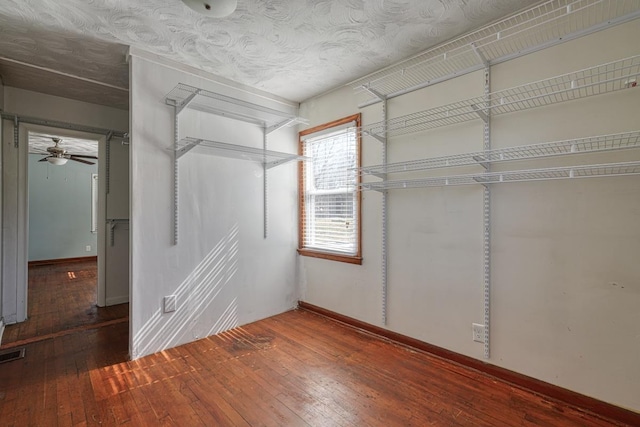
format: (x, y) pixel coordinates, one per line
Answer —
(213, 8)
(58, 161)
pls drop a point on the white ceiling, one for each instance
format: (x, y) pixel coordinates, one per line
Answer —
(39, 142)
(291, 48)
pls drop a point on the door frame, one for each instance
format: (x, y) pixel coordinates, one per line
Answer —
(22, 243)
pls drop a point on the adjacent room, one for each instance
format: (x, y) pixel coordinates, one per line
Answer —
(320, 212)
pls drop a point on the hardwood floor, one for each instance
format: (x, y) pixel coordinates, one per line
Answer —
(62, 297)
(294, 369)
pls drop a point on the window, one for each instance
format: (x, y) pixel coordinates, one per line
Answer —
(329, 200)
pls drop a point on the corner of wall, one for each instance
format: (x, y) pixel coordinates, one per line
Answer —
(1, 93)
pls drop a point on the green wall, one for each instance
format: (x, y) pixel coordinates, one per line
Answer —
(60, 210)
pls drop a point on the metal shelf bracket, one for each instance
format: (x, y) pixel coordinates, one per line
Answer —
(484, 116)
(113, 223)
(190, 146)
(185, 96)
(381, 139)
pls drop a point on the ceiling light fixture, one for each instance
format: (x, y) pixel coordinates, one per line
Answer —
(58, 161)
(213, 8)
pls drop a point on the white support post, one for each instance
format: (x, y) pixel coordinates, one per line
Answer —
(16, 132)
(265, 205)
(385, 195)
(487, 218)
(384, 266)
(107, 162)
(175, 176)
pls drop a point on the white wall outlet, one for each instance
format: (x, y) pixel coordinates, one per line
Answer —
(478, 332)
(169, 304)
(87, 248)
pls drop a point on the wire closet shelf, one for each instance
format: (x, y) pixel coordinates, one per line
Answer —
(535, 28)
(269, 158)
(183, 95)
(609, 77)
(594, 144)
(567, 172)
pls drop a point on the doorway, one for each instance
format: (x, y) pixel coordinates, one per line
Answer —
(64, 234)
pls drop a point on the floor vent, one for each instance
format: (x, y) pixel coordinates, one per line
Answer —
(11, 355)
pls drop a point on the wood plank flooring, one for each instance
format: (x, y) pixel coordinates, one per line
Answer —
(62, 297)
(294, 369)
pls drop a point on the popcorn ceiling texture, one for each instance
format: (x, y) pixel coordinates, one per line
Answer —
(291, 48)
(39, 142)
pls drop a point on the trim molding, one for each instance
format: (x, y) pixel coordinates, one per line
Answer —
(62, 261)
(302, 250)
(58, 334)
(136, 52)
(60, 73)
(580, 401)
(117, 300)
(1, 330)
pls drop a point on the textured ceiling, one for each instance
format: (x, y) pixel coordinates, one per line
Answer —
(39, 142)
(291, 48)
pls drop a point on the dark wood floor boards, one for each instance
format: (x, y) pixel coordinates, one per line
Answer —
(62, 297)
(439, 381)
(285, 386)
(277, 383)
(388, 399)
(295, 369)
(302, 369)
(350, 364)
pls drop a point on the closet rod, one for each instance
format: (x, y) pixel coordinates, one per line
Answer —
(62, 125)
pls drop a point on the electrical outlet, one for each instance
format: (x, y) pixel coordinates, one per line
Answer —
(169, 304)
(87, 248)
(478, 332)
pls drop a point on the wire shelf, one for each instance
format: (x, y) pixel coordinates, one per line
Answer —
(267, 157)
(589, 171)
(184, 95)
(609, 77)
(532, 29)
(594, 144)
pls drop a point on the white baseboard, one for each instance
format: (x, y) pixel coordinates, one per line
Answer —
(117, 300)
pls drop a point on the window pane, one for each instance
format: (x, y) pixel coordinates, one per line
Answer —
(330, 213)
(334, 161)
(331, 223)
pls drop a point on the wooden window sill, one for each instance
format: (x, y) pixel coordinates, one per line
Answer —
(331, 256)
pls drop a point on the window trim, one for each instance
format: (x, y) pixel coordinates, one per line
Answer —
(352, 259)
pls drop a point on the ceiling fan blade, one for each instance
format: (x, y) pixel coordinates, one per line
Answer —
(44, 159)
(81, 161)
(82, 156)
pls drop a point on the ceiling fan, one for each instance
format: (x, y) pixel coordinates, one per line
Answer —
(59, 156)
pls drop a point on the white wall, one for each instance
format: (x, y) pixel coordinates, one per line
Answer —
(116, 259)
(60, 210)
(566, 282)
(14, 170)
(223, 272)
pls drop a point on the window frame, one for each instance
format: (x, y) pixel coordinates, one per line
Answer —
(334, 256)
